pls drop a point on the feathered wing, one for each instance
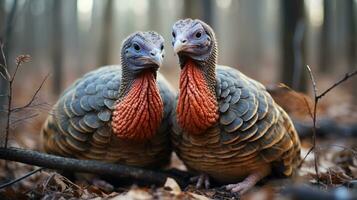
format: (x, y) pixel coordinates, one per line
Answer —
(252, 121)
(79, 125)
(252, 131)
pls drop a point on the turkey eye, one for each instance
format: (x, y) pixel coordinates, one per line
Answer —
(173, 34)
(136, 47)
(198, 34)
(162, 47)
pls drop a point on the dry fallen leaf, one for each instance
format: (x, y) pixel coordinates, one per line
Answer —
(134, 194)
(172, 184)
(294, 103)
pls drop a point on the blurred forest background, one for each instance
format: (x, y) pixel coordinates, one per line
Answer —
(271, 41)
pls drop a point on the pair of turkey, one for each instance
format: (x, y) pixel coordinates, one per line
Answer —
(222, 124)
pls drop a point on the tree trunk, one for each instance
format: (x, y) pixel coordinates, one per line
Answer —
(7, 23)
(3, 83)
(154, 16)
(293, 64)
(201, 9)
(325, 44)
(57, 50)
(107, 32)
(351, 18)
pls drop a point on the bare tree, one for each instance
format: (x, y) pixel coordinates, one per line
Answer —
(293, 23)
(57, 47)
(5, 37)
(351, 17)
(325, 37)
(202, 9)
(107, 34)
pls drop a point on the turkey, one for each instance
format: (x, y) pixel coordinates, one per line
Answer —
(118, 114)
(226, 125)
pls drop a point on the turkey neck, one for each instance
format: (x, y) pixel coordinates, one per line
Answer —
(197, 108)
(139, 110)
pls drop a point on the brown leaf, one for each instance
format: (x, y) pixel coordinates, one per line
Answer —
(172, 184)
(294, 103)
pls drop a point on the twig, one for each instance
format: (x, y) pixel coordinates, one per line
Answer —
(86, 166)
(347, 76)
(5, 62)
(24, 118)
(20, 178)
(33, 96)
(10, 79)
(303, 160)
(316, 101)
(314, 114)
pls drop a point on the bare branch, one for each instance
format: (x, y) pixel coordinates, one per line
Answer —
(303, 160)
(33, 96)
(345, 78)
(4, 57)
(314, 113)
(14, 75)
(24, 118)
(312, 80)
(20, 178)
(19, 60)
(3, 76)
(87, 166)
(316, 101)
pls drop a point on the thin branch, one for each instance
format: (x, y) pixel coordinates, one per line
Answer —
(316, 101)
(314, 113)
(39, 106)
(87, 166)
(33, 96)
(3, 76)
(14, 75)
(4, 58)
(24, 118)
(303, 160)
(9, 97)
(345, 78)
(312, 80)
(20, 178)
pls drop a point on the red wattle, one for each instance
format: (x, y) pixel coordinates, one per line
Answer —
(197, 108)
(139, 114)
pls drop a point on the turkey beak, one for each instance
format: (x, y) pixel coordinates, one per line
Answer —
(180, 44)
(156, 58)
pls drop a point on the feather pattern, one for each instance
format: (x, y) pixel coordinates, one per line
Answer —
(252, 131)
(80, 123)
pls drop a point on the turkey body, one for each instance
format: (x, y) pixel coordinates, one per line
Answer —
(252, 133)
(80, 126)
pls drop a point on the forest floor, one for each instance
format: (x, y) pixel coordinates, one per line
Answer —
(337, 164)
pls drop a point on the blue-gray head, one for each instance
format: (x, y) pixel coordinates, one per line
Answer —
(193, 38)
(142, 51)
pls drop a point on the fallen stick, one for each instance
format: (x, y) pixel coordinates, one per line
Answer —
(87, 166)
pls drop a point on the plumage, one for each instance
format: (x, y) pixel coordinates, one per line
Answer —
(81, 124)
(262, 136)
(252, 137)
